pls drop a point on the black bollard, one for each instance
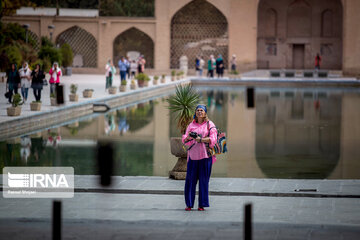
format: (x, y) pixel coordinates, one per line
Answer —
(60, 94)
(250, 93)
(247, 222)
(105, 158)
(56, 220)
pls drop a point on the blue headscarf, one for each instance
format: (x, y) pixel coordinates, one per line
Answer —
(202, 106)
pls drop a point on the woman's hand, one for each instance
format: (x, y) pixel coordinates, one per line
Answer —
(198, 139)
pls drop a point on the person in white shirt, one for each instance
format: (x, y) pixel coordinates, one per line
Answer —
(25, 77)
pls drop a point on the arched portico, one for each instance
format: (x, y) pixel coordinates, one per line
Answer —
(83, 44)
(198, 28)
(134, 40)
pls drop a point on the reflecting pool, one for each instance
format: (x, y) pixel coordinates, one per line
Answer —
(310, 133)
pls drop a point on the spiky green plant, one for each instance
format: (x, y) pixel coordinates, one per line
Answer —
(183, 104)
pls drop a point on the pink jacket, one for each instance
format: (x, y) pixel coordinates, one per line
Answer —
(52, 75)
(198, 151)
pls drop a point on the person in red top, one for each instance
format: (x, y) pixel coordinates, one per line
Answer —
(55, 73)
(317, 61)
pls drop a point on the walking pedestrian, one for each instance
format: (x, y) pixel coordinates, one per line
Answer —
(128, 67)
(109, 74)
(37, 81)
(13, 81)
(317, 61)
(200, 133)
(55, 74)
(123, 68)
(220, 66)
(197, 65)
(25, 77)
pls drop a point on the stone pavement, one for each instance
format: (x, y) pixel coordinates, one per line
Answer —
(84, 81)
(146, 215)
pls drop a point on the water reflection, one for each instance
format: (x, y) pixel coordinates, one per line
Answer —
(291, 133)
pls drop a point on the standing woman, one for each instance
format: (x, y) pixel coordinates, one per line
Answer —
(55, 73)
(25, 76)
(110, 72)
(199, 162)
(220, 66)
(37, 77)
(13, 80)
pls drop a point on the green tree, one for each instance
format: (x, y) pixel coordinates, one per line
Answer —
(128, 8)
(9, 7)
(67, 55)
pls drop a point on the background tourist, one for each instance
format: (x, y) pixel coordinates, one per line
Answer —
(197, 65)
(317, 61)
(210, 67)
(199, 162)
(201, 66)
(55, 74)
(123, 68)
(128, 67)
(141, 64)
(13, 80)
(220, 66)
(25, 76)
(110, 72)
(233, 63)
(133, 68)
(37, 80)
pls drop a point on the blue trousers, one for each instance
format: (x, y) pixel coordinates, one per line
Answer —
(198, 170)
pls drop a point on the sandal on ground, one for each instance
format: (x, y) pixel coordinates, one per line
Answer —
(201, 209)
(188, 209)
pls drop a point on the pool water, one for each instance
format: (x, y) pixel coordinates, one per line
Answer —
(291, 133)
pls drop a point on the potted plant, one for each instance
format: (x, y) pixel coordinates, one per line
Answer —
(141, 79)
(73, 96)
(87, 93)
(123, 86)
(53, 99)
(67, 58)
(163, 78)
(147, 80)
(182, 104)
(35, 106)
(112, 90)
(133, 85)
(178, 75)
(155, 80)
(234, 74)
(15, 109)
(173, 75)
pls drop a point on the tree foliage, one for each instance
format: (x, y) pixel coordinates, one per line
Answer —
(9, 7)
(128, 8)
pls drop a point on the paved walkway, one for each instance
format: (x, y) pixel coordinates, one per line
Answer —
(96, 82)
(146, 215)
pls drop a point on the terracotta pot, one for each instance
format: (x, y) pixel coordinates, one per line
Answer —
(73, 97)
(53, 102)
(172, 78)
(179, 170)
(141, 83)
(132, 86)
(155, 82)
(14, 111)
(162, 80)
(112, 90)
(35, 106)
(87, 94)
(146, 83)
(122, 88)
